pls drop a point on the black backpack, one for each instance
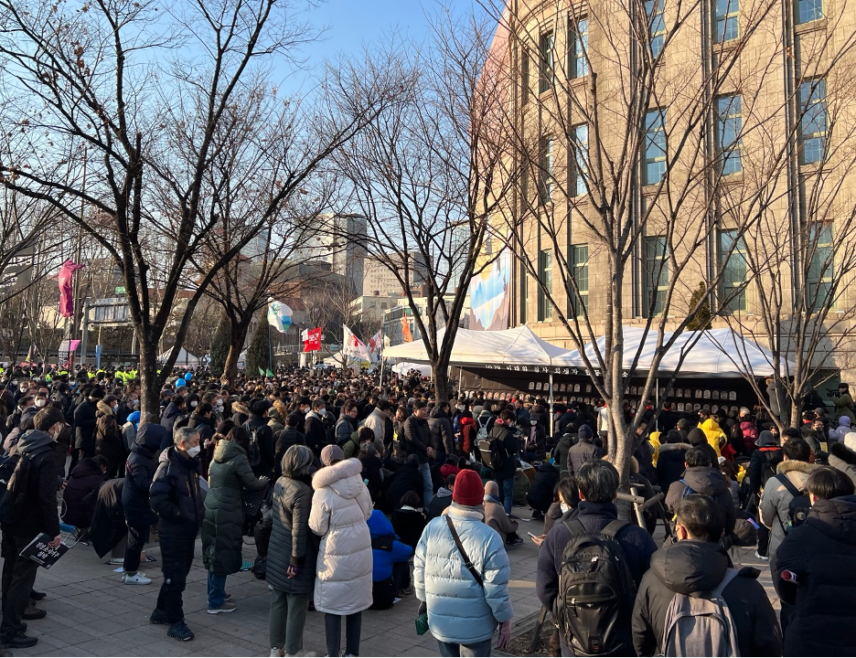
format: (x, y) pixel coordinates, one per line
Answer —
(596, 593)
(254, 454)
(14, 478)
(768, 471)
(498, 454)
(798, 508)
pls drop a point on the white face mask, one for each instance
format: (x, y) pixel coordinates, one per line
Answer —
(193, 403)
(192, 452)
(40, 403)
(565, 508)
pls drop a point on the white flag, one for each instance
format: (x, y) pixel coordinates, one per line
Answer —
(278, 315)
(352, 346)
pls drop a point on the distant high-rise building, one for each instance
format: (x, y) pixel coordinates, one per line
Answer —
(380, 280)
(336, 240)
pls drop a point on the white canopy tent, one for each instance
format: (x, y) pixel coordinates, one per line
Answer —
(478, 348)
(404, 367)
(185, 358)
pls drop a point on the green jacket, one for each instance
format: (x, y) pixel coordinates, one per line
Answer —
(222, 536)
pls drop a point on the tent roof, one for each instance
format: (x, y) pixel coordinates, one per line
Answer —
(183, 357)
(512, 346)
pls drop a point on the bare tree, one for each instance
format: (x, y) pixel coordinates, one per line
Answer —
(649, 149)
(146, 98)
(429, 173)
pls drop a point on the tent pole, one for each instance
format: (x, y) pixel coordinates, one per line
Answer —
(551, 404)
(657, 405)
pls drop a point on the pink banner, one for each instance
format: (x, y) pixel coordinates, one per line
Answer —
(66, 290)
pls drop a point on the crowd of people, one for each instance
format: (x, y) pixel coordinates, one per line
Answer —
(359, 492)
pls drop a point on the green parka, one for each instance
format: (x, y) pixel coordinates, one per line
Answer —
(228, 475)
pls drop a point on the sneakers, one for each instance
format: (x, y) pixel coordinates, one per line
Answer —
(761, 557)
(181, 632)
(276, 651)
(407, 591)
(537, 516)
(158, 617)
(116, 561)
(20, 641)
(138, 578)
(37, 596)
(516, 541)
(228, 597)
(32, 612)
(227, 606)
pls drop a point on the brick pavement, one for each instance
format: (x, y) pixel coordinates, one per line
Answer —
(91, 613)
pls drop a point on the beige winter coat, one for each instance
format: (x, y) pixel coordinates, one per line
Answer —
(341, 505)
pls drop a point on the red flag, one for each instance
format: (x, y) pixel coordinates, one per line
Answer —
(405, 330)
(312, 340)
(66, 293)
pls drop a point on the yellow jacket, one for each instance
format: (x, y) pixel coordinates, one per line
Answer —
(715, 436)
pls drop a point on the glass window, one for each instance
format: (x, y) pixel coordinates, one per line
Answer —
(578, 47)
(727, 13)
(657, 25)
(655, 148)
(813, 120)
(809, 10)
(729, 124)
(545, 183)
(546, 48)
(819, 273)
(580, 161)
(545, 274)
(656, 274)
(732, 284)
(524, 77)
(579, 271)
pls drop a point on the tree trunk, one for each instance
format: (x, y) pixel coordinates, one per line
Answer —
(441, 383)
(150, 381)
(239, 337)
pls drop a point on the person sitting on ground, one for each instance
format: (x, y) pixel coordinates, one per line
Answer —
(450, 467)
(702, 478)
(409, 520)
(351, 447)
(496, 518)
(821, 589)
(693, 567)
(442, 499)
(387, 552)
(597, 482)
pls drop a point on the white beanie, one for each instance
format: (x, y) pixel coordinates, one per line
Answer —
(850, 441)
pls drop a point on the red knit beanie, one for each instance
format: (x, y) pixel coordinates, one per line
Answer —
(468, 489)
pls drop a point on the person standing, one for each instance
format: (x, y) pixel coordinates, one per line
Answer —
(38, 515)
(84, 424)
(228, 476)
(176, 499)
(502, 436)
(417, 441)
(109, 440)
(341, 505)
(464, 605)
(292, 552)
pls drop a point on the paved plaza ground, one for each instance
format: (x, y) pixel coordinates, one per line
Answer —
(91, 613)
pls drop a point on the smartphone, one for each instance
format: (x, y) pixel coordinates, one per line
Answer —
(531, 535)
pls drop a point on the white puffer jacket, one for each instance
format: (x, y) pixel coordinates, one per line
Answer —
(341, 505)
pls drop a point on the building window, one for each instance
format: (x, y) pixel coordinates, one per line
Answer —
(732, 261)
(809, 10)
(545, 81)
(813, 120)
(656, 25)
(579, 271)
(578, 47)
(524, 77)
(545, 274)
(655, 147)
(545, 181)
(580, 146)
(729, 124)
(656, 274)
(820, 270)
(727, 26)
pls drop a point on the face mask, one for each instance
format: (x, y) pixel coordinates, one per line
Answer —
(192, 452)
(460, 407)
(220, 408)
(115, 407)
(40, 403)
(23, 389)
(533, 422)
(193, 403)
(565, 508)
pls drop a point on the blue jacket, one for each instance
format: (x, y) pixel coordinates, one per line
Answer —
(382, 560)
(458, 609)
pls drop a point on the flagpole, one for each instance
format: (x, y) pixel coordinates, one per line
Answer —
(270, 351)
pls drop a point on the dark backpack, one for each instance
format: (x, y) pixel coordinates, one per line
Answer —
(498, 454)
(14, 480)
(768, 470)
(254, 454)
(798, 508)
(596, 592)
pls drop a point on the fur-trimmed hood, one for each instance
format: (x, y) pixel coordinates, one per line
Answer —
(794, 465)
(668, 447)
(104, 408)
(843, 453)
(238, 408)
(343, 478)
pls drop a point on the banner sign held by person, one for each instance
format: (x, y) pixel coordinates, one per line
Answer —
(39, 552)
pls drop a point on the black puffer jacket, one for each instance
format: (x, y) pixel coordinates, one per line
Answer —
(540, 495)
(405, 478)
(562, 450)
(706, 481)
(84, 426)
(79, 494)
(442, 434)
(670, 463)
(41, 515)
(108, 519)
(140, 470)
(822, 553)
(694, 567)
(763, 455)
(417, 437)
(175, 496)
